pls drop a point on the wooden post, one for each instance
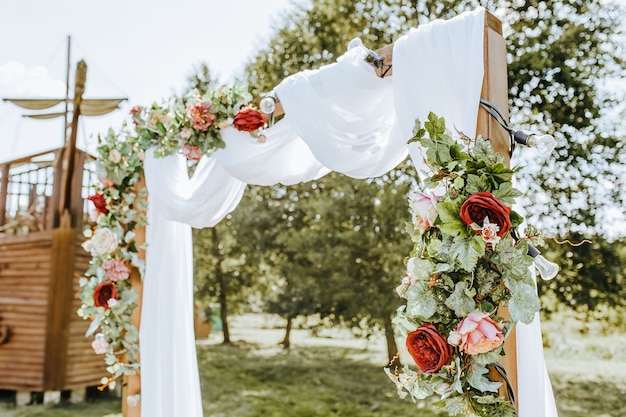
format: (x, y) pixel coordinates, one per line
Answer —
(60, 294)
(132, 384)
(495, 89)
(4, 192)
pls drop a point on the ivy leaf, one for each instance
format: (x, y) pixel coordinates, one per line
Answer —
(467, 251)
(477, 379)
(462, 299)
(477, 184)
(524, 302)
(421, 301)
(455, 405)
(506, 193)
(488, 358)
(450, 219)
(435, 125)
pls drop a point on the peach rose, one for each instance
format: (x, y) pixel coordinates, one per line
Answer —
(424, 208)
(477, 333)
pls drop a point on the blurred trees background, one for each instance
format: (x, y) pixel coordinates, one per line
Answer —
(335, 247)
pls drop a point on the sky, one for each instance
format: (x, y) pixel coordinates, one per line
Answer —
(140, 49)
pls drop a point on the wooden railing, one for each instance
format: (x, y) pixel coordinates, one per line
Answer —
(30, 191)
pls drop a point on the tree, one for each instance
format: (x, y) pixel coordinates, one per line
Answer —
(558, 54)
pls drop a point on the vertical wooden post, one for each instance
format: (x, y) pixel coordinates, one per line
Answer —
(132, 383)
(495, 89)
(4, 192)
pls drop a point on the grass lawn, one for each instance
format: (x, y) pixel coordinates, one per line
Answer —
(340, 376)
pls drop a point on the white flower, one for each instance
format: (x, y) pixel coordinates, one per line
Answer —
(100, 345)
(103, 242)
(490, 232)
(133, 400)
(115, 156)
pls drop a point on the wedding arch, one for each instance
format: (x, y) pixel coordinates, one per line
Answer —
(350, 117)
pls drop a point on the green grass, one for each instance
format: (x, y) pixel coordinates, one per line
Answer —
(301, 382)
(246, 380)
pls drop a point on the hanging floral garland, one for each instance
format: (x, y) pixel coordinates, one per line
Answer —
(191, 125)
(465, 267)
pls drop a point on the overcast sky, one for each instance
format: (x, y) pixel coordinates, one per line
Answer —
(140, 49)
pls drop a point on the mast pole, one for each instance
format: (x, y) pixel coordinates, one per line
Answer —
(67, 89)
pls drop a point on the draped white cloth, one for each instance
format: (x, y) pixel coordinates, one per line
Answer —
(341, 117)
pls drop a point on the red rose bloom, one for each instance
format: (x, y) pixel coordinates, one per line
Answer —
(248, 120)
(99, 202)
(481, 205)
(428, 348)
(103, 293)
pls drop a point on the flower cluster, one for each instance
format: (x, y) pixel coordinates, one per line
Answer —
(465, 268)
(107, 296)
(191, 125)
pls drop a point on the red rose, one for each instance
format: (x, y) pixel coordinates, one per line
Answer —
(428, 348)
(99, 202)
(103, 293)
(248, 120)
(481, 205)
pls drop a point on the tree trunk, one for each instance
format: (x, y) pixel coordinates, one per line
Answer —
(223, 288)
(392, 347)
(286, 340)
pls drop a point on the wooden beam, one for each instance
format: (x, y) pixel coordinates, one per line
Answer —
(495, 89)
(132, 383)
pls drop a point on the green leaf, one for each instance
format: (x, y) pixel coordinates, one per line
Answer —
(524, 302)
(477, 184)
(476, 377)
(467, 251)
(506, 193)
(462, 299)
(421, 301)
(449, 219)
(455, 405)
(488, 358)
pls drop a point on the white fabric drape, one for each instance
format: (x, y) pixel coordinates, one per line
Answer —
(341, 117)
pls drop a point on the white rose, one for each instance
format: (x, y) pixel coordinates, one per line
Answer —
(102, 242)
(115, 156)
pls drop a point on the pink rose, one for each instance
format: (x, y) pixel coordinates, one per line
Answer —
(201, 116)
(116, 270)
(424, 208)
(192, 152)
(477, 333)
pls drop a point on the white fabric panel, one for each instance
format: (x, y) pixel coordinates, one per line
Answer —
(534, 397)
(283, 158)
(346, 116)
(200, 201)
(438, 67)
(170, 385)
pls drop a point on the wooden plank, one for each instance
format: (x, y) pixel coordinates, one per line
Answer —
(495, 89)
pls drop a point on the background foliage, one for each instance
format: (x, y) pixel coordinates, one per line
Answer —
(334, 247)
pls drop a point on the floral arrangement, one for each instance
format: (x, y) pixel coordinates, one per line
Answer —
(191, 125)
(467, 265)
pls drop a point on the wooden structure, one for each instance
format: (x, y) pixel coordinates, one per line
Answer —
(43, 209)
(44, 348)
(495, 90)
